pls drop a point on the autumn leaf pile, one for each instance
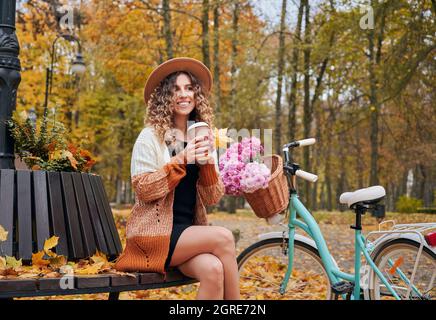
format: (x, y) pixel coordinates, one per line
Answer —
(48, 264)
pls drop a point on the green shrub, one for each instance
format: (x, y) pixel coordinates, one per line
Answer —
(408, 204)
(426, 210)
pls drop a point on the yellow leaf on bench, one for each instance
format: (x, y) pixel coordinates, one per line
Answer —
(58, 261)
(38, 259)
(13, 263)
(3, 234)
(50, 243)
(99, 257)
(2, 263)
(92, 269)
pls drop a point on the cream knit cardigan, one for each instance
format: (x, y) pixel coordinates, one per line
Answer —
(154, 177)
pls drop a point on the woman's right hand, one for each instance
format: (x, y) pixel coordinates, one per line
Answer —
(196, 148)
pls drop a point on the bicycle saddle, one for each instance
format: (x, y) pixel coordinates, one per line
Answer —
(370, 194)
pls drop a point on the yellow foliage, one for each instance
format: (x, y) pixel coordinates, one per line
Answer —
(221, 138)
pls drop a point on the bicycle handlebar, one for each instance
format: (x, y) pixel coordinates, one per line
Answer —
(306, 142)
(306, 175)
(300, 143)
(295, 168)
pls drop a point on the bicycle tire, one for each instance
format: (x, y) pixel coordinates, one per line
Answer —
(301, 281)
(386, 251)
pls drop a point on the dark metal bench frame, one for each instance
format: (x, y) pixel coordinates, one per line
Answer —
(35, 205)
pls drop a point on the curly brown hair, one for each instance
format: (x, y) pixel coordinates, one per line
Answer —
(160, 113)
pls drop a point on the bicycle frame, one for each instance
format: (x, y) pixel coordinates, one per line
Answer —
(310, 226)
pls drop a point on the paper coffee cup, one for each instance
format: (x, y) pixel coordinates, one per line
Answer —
(198, 129)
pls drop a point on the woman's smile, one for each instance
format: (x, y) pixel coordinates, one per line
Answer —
(184, 103)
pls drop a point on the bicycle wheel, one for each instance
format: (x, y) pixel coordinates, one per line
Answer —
(262, 267)
(399, 256)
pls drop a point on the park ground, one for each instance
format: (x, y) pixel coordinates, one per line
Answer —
(246, 226)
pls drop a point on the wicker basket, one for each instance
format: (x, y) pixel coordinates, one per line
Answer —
(275, 198)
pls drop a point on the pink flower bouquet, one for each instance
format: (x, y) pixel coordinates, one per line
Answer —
(241, 167)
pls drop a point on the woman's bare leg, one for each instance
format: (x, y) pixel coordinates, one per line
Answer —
(208, 269)
(215, 240)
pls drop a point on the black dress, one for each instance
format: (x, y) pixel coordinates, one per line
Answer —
(183, 206)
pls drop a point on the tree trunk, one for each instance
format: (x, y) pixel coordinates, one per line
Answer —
(307, 118)
(317, 153)
(359, 156)
(374, 62)
(167, 28)
(231, 204)
(205, 33)
(119, 192)
(328, 174)
(281, 54)
(292, 115)
(235, 28)
(216, 53)
(342, 183)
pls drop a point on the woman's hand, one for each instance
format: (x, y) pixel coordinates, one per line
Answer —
(196, 149)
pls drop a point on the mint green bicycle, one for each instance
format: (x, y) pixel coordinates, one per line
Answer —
(399, 263)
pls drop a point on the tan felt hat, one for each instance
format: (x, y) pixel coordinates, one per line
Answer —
(193, 66)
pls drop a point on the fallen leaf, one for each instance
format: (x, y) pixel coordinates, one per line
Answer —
(38, 259)
(50, 243)
(123, 273)
(13, 263)
(2, 263)
(3, 234)
(8, 272)
(92, 269)
(99, 257)
(58, 261)
(51, 254)
(53, 275)
(28, 275)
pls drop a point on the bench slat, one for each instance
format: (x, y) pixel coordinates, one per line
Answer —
(104, 221)
(41, 208)
(57, 212)
(72, 217)
(97, 281)
(7, 208)
(17, 285)
(95, 219)
(118, 280)
(148, 278)
(109, 215)
(50, 284)
(89, 245)
(24, 213)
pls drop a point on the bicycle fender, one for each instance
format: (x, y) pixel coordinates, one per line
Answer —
(410, 236)
(299, 237)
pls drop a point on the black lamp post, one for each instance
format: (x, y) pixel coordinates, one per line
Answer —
(9, 79)
(78, 66)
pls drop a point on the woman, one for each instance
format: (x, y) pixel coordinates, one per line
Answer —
(168, 224)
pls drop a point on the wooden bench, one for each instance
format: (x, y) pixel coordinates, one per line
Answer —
(35, 205)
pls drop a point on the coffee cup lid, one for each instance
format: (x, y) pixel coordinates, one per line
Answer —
(198, 124)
